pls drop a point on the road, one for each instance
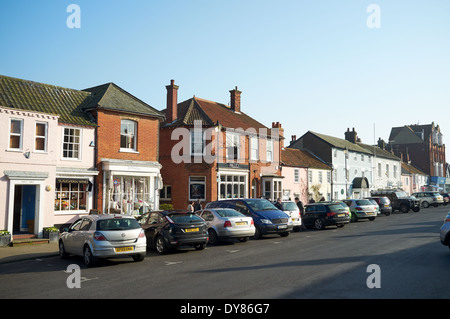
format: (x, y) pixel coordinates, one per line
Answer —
(331, 263)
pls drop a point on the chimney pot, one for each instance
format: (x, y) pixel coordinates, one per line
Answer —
(172, 102)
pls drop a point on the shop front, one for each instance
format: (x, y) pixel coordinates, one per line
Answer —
(130, 187)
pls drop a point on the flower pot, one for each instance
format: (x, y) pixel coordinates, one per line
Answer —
(53, 237)
(5, 240)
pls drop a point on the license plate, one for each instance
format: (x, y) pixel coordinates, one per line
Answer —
(341, 215)
(122, 249)
(191, 230)
(241, 223)
(369, 213)
(282, 226)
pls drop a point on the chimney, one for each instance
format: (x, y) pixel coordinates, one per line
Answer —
(293, 138)
(172, 101)
(351, 136)
(381, 143)
(280, 130)
(235, 96)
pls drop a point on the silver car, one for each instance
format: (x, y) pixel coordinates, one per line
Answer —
(429, 198)
(104, 236)
(445, 231)
(291, 208)
(226, 224)
(361, 209)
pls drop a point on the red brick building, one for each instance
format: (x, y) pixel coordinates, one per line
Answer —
(126, 156)
(212, 151)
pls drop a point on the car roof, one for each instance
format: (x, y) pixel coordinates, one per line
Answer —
(108, 216)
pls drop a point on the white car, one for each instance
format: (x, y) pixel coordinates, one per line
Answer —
(293, 211)
(103, 236)
(429, 198)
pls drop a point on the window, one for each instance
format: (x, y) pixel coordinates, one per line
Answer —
(387, 170)
(269, 150)
(233, 146)
(166, 192)
(254, 148)
(309, 176)
(320, 177)
(232, 186)
(379, 169)
(71, 143)
(15, 134)
(296, 175)
(70, 195)
(129, 195)
(128, 135)
(197, 142)
(40, 139)
(197, 188)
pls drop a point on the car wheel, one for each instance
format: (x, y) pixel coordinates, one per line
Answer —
(258, 234)
(138, 257)
(318, 224)
(89, 259)
(161, 246)
(340, 225)
(243, 239)
(404, 208)
(199, 246)
(425, 204)
(213, 238)
(284, 234)
(62, 250)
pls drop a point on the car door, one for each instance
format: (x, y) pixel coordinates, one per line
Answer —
(151, 227)
(309, 215)
(71, 235)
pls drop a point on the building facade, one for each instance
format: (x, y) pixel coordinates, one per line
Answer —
(212, 151)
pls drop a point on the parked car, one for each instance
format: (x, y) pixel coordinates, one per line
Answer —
(103, 236)
(291, 208)
(226, 224)
(322, 214)
(384, 204)
(445, 231)
(375, 206)
(169, 230)
(399, 200)
(429, 198)
(361, 209)
(267, 218)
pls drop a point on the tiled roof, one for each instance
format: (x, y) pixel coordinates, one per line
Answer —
(112, 97)
(409, 169)
(34, 96)
(301, 158)
(341, 143)
(404, 135)
(379, 152)
(211, 113)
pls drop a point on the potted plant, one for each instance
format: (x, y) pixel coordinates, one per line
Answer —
(5, 238)
(52, 233)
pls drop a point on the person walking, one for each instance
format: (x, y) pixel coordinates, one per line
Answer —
(190, 207)
(278, 204)
(301, 208)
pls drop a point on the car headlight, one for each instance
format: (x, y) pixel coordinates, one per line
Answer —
(266, 221)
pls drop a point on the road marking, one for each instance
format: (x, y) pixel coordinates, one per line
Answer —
(169, 263)
(232, 251)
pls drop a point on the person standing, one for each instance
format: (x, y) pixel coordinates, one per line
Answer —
(278, 204)
(190, 207)
(301, 209)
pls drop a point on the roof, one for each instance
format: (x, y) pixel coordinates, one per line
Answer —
(39, 97)
(340, 143)
(213, 113)
(409, 169)
(301, 158)
(404, 135)
(379, 152)
(111, 97)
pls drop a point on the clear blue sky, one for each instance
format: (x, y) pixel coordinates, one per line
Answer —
(311, 65)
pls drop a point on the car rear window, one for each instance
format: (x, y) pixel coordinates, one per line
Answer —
(117, 224)
(363, 202)
(185, 218)
(228, 213)
(335, 207)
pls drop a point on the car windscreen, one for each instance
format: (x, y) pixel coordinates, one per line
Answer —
(260, 204)
(185, 218)
(228, 213)
(335, 207)
(289, 206)
(117, 224)
(401, 194)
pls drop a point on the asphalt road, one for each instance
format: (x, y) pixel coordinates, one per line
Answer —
(332, 263)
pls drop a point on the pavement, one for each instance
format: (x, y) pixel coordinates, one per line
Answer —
(27, 252)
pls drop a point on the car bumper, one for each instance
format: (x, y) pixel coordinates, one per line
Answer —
(175, 241)
(236, 233)
(118, 251)
(275, 228)
(362, 215)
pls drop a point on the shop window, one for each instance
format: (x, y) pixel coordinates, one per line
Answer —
(130, 195)
(197, 188)
(70, 195)
(232, 186)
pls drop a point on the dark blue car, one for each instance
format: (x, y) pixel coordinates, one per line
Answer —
(267, 218)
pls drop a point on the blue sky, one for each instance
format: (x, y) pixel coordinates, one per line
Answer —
(311, 65)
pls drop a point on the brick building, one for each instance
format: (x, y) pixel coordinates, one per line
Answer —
(211, 151)
(424, 146)
(126, 157)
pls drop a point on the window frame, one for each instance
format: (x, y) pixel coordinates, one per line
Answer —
(10, 134)
(44, 137)
(63, 142)
(127, 135)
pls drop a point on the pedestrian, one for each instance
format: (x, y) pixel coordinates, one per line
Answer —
(278, 204)
(301, 209)
(190, 207)
(198, 206)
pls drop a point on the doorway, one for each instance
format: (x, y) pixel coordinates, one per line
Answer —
(24, 208)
